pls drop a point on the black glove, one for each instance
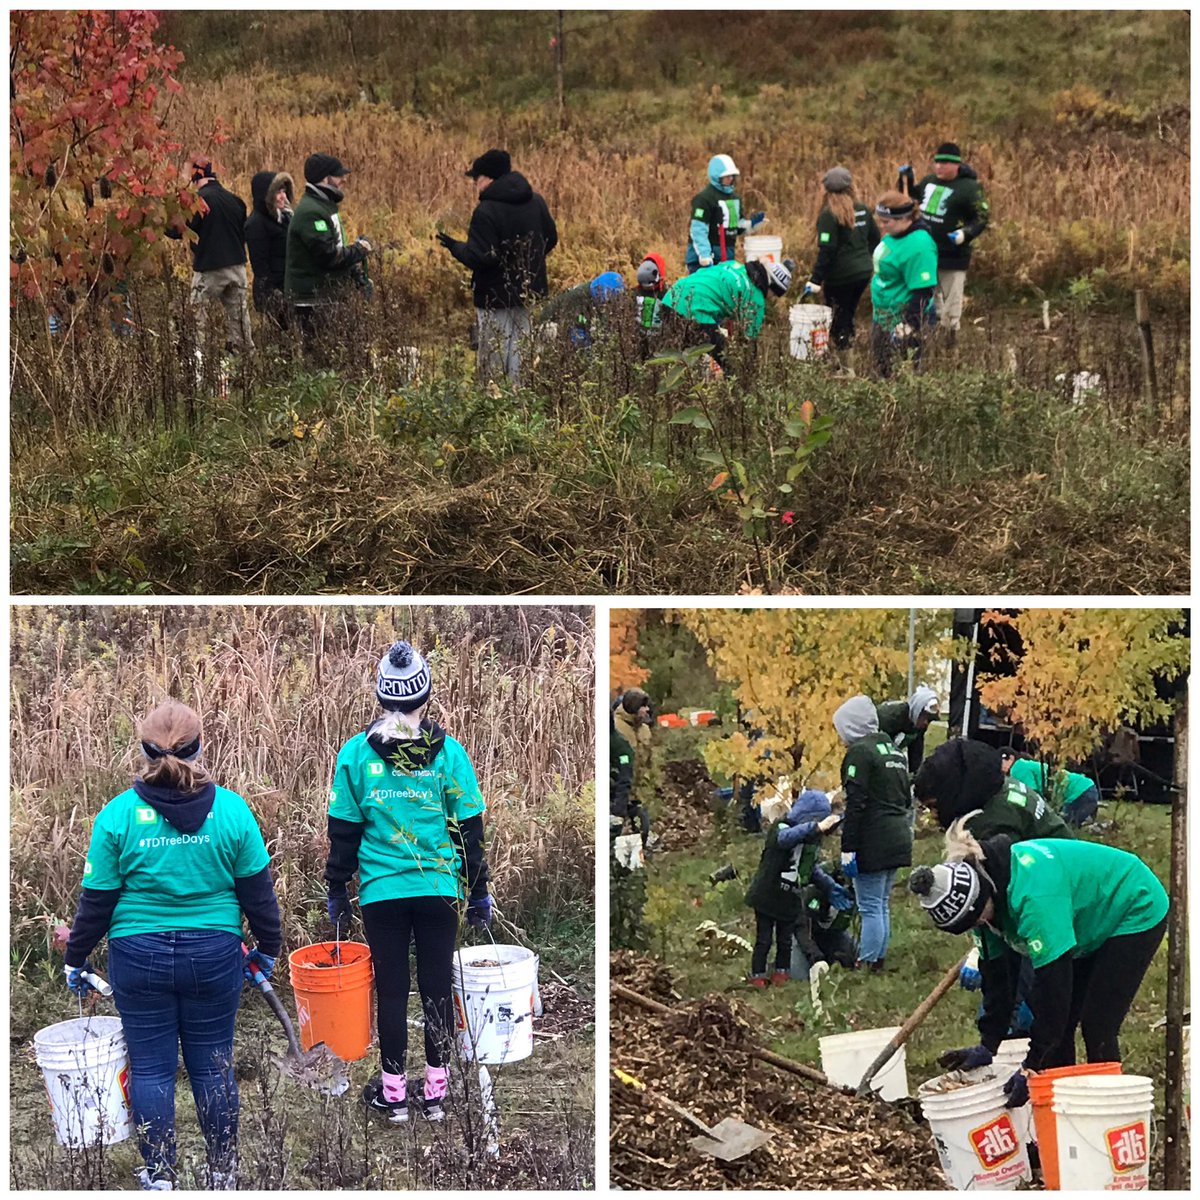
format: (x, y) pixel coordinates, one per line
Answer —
(971, 1058)
(447, 240)
(1017, 1090)
(338, 907)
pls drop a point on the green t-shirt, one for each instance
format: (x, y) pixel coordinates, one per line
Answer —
(717, 294)
(171, 880)
(1065, 785)
(903, 265)
(408, 814)
(1070, 897)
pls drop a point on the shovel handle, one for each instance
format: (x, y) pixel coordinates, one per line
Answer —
(276, 1006)
(919, 1014)
(670, 1105)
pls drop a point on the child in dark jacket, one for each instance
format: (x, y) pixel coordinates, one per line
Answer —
(777, 893)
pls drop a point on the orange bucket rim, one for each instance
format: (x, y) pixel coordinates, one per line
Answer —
(320, 955)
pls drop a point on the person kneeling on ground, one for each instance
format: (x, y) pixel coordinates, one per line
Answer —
(823, 931)
(785, 870)
(1091, 917)
(577, 310)
(696, 306)
(903, 284)
(1077, 795)
(652, 284)
(406, 775)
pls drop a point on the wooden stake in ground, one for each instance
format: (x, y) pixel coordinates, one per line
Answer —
(1141, 313)
(1174, 1160)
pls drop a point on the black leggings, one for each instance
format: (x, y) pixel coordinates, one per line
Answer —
(767, 928)
(1102, 992)
(391, 925)
(843, 299)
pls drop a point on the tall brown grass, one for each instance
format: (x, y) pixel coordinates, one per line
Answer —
(279, 690)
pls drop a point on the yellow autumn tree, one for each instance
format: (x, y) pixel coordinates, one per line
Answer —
(1084, 671)
(791, 669)
(623, 668)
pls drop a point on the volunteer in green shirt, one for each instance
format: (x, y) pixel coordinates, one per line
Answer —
(173, 864)
(902, 287)
(846, 239)
(696, 306)
(877, 832)
(1090, 917)
(406, 813)
(1076, 795)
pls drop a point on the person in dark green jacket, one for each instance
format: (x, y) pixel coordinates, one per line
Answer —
(956, 212)
(779, 888)
(696, 306)
(1090, 917)
(905, 722)
(1076, 795)
(717, 222)
(846, 238)
(903, 285)
(320, 265)
(877, 832)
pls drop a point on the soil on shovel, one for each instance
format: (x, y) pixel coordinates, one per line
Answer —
(685, 815)
(699, 1056)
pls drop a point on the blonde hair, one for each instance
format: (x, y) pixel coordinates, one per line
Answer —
(841, 204)
(171, 727)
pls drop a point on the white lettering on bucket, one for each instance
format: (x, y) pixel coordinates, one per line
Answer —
(1127, 1146)
(995, 1142)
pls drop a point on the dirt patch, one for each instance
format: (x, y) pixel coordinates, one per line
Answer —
(685, 813)
(564, 1011)
(699, 1057)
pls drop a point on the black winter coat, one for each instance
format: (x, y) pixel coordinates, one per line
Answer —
(221, 231)
(511, 233)
(878, 820)
(266, 238)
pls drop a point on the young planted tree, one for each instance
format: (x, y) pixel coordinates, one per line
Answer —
(95, 178)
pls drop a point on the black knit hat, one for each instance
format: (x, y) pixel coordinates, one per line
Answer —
(202, 168)
(948, 152)
(492, 164)
(961, 775)
(954, 894)
(402, 679)
(317, 166)
(633, 700)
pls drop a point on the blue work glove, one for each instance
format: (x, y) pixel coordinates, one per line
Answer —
(338, 907)
(811, 289)
(76, 982)
(840, 898)
(971, 1058)
(479, 911)
(1022, 1020)
(956, 237)
(1017, 1090)
(257, 962)
(970, 977)
(850, 864)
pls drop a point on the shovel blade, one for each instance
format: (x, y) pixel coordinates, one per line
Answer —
(732, 1139)
(318, 1068)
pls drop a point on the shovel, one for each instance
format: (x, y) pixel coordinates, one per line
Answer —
(318, 1068)
(728, 1140)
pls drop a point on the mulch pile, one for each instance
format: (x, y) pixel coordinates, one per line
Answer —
(564, 1010)
(699, 1056)
(684, 815)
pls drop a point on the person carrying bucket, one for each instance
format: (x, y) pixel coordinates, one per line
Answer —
(877, 831)
(846, 239)
(1091, 917)
(785, 871)
(173, 864)
(406, 813)
(717, 221)
(902, 287)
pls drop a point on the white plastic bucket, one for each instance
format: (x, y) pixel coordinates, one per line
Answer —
(86, 1068)
(761, 247)
(809, 330)
(494, 1004)
(1104, 1124)
(977, 1139)
(845, 1058)
(1009, 1058)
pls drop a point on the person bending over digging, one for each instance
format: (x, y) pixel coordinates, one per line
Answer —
(1077, 795)
(696, 306)
(905, 722)
(406, 813)
(778, 890)
(1091, 917)
(174, 862)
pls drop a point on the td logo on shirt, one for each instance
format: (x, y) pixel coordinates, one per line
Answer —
(996, 1142)
(144, 815)
(1127, 1146)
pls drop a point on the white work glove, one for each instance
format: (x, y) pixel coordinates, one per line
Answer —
(957, 236)
(706, 262)
(827, 823)
(902, 331)
(811, 289)
(365, 244)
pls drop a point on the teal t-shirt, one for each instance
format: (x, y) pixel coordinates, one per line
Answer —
(903, 265)
(717, 294)
(171, 880)
(408, 815)
(1070, 897)
(1065, 786)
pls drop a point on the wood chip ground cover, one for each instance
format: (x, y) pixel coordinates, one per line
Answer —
(684, 816)
(699, 1057)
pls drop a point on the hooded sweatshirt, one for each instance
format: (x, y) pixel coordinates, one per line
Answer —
(406, 812)
(786, 867)
(266, 235)
(945, 207)
(319, 262)
(510, 235)
(161, 860)
(878, 824)
(898, 719)
(716, 210)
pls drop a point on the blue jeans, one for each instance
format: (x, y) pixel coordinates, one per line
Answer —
(172, 989)
(872, 890)
(1082, 808)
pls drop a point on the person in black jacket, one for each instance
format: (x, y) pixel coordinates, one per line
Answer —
(273, 194)
(511, 233)
(219, 254)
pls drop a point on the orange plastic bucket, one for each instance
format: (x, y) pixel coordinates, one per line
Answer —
(1041, 1096)
(333, 985)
